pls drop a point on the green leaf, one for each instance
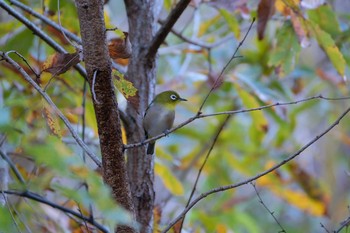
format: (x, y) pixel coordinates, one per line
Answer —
(325, 17)
(286, 52)
(19, 44)
(231, 21)
(328, 45)
(6, 222)
(169, 180)
(50, 152)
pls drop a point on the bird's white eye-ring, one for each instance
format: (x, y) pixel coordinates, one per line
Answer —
(173, 97)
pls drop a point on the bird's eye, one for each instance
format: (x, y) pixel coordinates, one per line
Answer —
(173, 97)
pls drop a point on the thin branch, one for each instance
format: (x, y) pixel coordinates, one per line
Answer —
(199, 115)
(165, 29)
(232, 186)
(61, 28)
(13, 167)
(46, 20)
(225, 67)
(324, 227)
(40, 33)
(214, 140)
(199, 42)
(38, 198)
(19, 216)
(54, 107)
(9, 209)
(343, 224)
(267, 208)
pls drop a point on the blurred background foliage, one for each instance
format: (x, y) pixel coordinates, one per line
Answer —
(303, 51)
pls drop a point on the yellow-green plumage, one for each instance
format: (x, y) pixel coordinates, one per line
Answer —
(159, 116)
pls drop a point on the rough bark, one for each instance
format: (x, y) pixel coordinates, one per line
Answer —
(96, 57)
(142, 72)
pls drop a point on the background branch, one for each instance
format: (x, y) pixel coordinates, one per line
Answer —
(343, 224)
(232, 186)
(225, 67)
(167, 26)
(13, 167)
(214, 140)
(267, 208)
(46, 20)
(38, 198)
(40, 33)
(53, 106)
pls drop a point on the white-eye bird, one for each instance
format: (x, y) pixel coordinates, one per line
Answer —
(159, 116)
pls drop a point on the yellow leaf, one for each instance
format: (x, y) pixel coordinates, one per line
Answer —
(169, 180)
(232, 22)
(51, 119)
(259, 120)
(295, 198)
(207, 24)
(303, 202)
(327, 43)
(80, 171)
(284, 6)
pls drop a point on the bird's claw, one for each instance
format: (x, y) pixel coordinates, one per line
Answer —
(166, 132)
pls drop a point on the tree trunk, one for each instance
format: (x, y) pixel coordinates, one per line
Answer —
(142, 18)
(97, 61)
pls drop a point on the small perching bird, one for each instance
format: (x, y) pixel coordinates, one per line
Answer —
(159, 116)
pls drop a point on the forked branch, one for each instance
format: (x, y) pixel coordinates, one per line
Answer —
(254, 178)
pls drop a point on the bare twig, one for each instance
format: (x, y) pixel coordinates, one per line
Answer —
(19, 215)
(38, 198)
(343, 224)
(35, 29)
(324, 227)
(165, 29)
(10, 211)
(46, 20)
(225, 67)
(232, 186)
(13, 167)
(199, 42)
(54, 107)
(111, 29)
(215, 138)
(61, 27)
(93, 87)
(198, 116)
(267, 208)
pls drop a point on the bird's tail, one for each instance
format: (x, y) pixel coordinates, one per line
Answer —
(150, 148)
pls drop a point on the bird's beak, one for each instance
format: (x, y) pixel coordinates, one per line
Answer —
(182, 99)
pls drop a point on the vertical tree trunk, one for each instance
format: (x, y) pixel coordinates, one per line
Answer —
(97, 60)
(142, 17)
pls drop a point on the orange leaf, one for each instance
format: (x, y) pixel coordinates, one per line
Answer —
(120, 47)
(157, 215)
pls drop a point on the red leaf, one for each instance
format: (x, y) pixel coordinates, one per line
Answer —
(266, 8)
(59, 63)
